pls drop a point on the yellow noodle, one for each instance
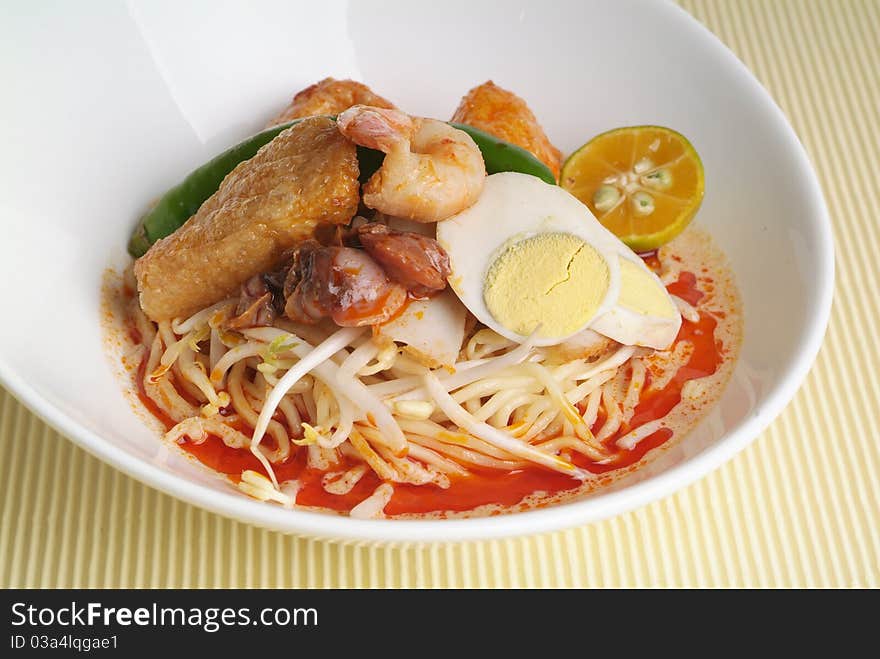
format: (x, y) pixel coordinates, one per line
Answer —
(571, 443)
(464, 454)
(445, 435)
(197, 430)
(235, 354)
(484, 343)
(435, 459)
(505, 398)
(555, 428)
(668, 363)
(592, 410)
(634, 390)
(497, 385)
(194, 373)
(492, 435)
(587, 387)
(377, 464)
(612, 409)
(509, 410)
(566, 409)
(188, 387)
(162, 392)
(545, 418)
(407, 471)
(490, 386)
(249, 412)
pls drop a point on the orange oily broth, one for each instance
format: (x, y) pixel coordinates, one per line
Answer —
(707, 356)
(491, 488)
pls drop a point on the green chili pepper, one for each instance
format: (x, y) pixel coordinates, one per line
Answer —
(501, 156)
(183, 200)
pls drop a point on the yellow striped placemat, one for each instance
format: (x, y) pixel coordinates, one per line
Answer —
(799, 507)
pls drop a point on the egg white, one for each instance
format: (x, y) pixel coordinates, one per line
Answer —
(511, 208)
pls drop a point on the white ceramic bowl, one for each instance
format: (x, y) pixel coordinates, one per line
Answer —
(107, 105)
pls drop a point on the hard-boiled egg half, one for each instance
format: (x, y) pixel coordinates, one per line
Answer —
(528, 257)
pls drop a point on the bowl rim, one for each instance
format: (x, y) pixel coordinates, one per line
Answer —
(554, 517)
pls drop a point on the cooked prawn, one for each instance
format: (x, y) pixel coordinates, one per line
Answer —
(431, 170)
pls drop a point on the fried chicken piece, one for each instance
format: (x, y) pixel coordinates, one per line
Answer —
(265, 206)
(505, 115)
(329, 96)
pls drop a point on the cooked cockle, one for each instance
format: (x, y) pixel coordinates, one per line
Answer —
(413, 260)
(355, 276)
(343, 283)
(504, 114)
(329, 97)
(265, 206)
(255, 306)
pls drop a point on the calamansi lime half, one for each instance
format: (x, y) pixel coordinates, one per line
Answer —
(645, 183)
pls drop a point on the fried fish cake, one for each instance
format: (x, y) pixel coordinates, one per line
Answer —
(505, 115)
(265, 206)
(329, 97)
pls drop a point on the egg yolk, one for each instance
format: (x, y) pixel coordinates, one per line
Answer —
(555, 280)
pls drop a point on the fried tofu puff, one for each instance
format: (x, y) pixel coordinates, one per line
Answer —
(264, 207)
(329, 97)
(506, 116)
